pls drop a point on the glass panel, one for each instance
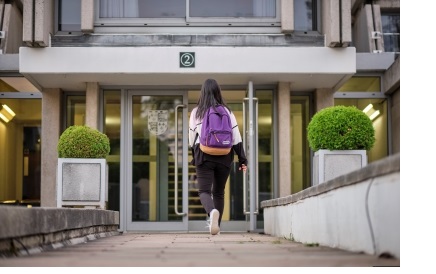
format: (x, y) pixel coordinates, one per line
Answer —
(20, 146)
(300, 153)
(391, 32)
(362, 84)
(265, 149)
(76, 110)
(234, 206)
(112, 128)
(153, 119)
(305, 15)
(196, 211)
(142, 9)
(177, 8)
(31, 163)
(69, 15)
(232, 8)
(380, 123)
(233, 209)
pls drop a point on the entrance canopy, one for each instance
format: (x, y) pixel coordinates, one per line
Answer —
(69, 68)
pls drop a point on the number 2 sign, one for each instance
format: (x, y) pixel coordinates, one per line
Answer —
(187, 59)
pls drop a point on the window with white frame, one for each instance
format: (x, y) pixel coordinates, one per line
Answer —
(135, 13)
(142, 9)
(183, 12)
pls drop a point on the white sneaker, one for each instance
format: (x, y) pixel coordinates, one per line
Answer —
(213, 227)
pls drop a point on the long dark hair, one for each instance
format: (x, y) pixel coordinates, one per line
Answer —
(210, 96)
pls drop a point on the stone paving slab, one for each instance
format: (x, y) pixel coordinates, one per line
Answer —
(196, 250)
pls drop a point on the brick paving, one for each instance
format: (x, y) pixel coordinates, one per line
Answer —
(195, 250)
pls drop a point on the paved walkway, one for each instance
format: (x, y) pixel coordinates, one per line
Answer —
(195, 249)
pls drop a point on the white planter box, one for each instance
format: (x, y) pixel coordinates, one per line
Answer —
(82, 182)
(329, 164)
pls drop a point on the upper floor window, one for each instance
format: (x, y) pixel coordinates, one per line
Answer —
(362, 84)
(391, 31)
(186, 12)
(142, 9)
(306, 16)
(69, 15)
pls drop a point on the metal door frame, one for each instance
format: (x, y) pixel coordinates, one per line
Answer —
(251, 208)
(126, 165)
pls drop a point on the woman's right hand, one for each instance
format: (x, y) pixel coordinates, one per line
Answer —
(243, 167)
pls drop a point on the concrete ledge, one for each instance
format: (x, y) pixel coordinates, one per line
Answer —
(358, 212)
(9, 62)
(374, 61)
(374, 169)
(147, 40)
(26, 229)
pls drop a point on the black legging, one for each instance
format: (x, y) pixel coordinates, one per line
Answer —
(212, 178)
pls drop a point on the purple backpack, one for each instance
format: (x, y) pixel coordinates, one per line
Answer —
(216, 136)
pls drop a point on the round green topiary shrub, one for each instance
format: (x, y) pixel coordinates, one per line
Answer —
(83, 142)
(340, 128)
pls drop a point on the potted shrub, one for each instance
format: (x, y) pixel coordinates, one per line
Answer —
(82, 168)
(340, 137)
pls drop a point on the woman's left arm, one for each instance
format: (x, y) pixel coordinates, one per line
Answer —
(237, 143)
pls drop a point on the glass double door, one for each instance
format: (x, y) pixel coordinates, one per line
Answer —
(160, 191)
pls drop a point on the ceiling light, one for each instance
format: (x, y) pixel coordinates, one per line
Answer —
(4, 118)
(368, 107)
(374, 115)
(6, 113)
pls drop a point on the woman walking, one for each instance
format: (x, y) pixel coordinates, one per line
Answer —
(213, 170)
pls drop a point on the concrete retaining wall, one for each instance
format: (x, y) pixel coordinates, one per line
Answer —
(28, 230)
(359, 211)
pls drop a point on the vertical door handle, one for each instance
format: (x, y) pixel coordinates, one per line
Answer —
(250, 129)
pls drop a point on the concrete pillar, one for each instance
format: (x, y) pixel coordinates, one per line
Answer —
(28, 18)
(284, 138)
(391, 84)
(395, 112)
(87, 16)
(367, 21)
(324, 97)
(287, 14)
(378, 43)
(51, 128)
(44, 22)
(12, 27)
(331, 22)
(346, 22)
(336, 22)
(92, 105)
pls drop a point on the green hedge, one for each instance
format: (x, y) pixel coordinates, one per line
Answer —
(83, 142)
(340, 128)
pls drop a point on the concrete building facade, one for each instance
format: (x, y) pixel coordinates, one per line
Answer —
(117, 66)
